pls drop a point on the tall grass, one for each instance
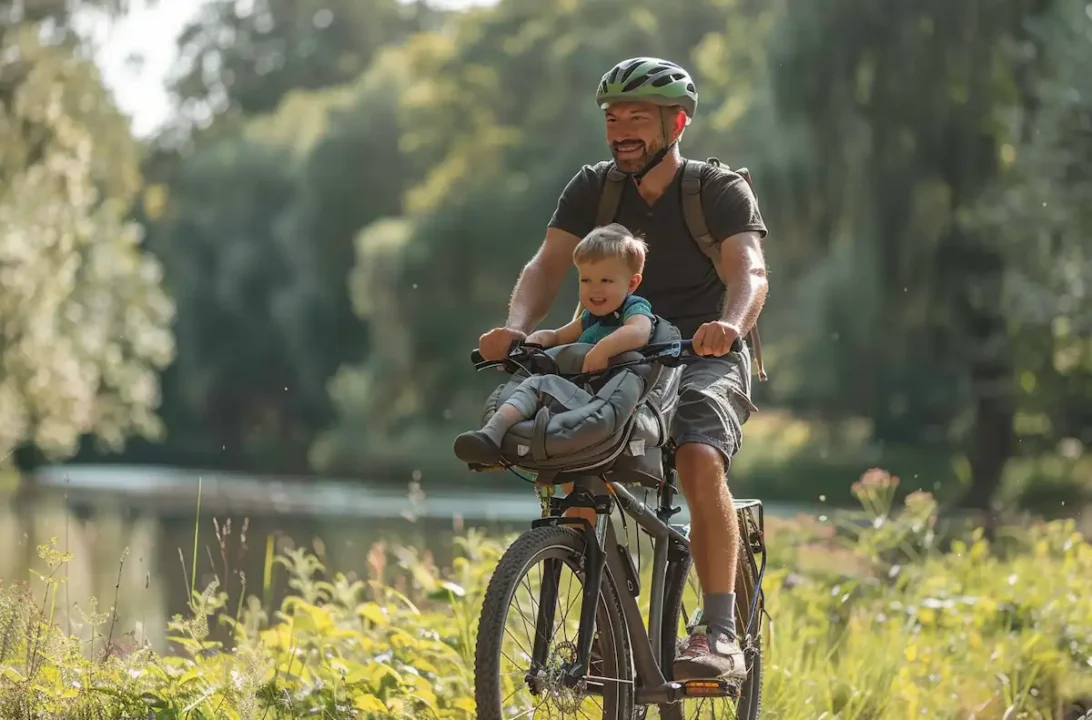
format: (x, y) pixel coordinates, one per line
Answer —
(874, 617)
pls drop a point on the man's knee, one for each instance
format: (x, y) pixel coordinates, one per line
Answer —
(699, 465)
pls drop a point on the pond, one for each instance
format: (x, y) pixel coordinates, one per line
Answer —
(131, 533)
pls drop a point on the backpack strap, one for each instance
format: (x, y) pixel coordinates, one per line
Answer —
(610, 197)
(692, 211)
(699, 231)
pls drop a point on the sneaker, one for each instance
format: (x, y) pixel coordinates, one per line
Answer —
(709, 655)
(477, 447)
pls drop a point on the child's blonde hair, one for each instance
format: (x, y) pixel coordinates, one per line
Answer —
(615, 242)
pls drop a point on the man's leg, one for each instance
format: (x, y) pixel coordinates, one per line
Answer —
(713, 406)
(714, 530)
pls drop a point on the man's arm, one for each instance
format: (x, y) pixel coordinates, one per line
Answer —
(743, 269)
(731, 210)
(541, 278)
(540, 281)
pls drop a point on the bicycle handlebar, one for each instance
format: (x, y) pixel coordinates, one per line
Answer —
(522, 352)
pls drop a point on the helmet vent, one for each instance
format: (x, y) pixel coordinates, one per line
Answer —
(629, 71)
(635, 83)
(667, 79)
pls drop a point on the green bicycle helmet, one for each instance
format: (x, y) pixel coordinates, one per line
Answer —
(648, 79)
(652, 80)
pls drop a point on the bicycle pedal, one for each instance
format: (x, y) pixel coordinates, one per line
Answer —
(711, 688)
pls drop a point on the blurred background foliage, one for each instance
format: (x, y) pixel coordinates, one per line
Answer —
(289, 276)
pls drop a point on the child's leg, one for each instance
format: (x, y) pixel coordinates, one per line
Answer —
(506, 416)
(483, 446)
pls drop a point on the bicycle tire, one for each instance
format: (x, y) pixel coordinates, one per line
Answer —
(617, 697)
(749, 705)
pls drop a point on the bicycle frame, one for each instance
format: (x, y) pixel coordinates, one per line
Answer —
(604, 554)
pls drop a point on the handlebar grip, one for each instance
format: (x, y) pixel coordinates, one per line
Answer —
(674, 347)
(476, 357)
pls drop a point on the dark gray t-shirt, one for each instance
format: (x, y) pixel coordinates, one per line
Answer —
(679, 280)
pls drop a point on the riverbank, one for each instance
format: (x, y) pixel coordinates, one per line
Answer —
(876, 623)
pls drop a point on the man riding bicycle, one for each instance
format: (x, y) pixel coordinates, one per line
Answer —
(648, 103)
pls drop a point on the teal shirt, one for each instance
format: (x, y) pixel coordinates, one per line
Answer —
(595, 328)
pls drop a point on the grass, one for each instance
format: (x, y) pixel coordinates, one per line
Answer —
(874, 617)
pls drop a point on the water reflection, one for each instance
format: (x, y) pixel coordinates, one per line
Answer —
(97, 514)
(151, 581)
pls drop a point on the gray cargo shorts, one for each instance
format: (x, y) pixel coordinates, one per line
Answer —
(714, 402)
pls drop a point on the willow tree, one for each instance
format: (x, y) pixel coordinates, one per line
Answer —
(901, 103)
(84, 323)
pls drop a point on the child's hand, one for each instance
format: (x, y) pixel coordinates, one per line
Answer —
(545, 338)
(597, 359)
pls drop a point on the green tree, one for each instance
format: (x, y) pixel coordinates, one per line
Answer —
(257, 233)
(231, 385)
(904, 138)
(246, 56)
(1039, 214)
(502, 103)
(85, 322)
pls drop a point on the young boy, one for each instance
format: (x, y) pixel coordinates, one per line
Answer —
(609, 262)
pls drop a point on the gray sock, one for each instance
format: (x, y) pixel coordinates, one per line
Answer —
(521, 405)
(502, 421)
(719, 612)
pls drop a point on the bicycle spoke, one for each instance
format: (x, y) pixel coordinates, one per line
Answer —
(705, 708)
(523, 616)
(530, 712)
(522, 649)
(519, 699)
(572, 600)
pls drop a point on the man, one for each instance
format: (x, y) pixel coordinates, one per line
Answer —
(648, 103)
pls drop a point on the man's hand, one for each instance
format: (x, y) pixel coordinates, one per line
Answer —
(596, 359)
(714, 338)
(495, 344)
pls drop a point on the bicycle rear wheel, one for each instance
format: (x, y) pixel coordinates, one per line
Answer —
(506, 686)
(682, 598)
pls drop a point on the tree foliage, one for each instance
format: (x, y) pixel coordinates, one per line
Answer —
(85, 323)
(365, 182)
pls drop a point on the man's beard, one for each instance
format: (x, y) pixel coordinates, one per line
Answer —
(632, 164)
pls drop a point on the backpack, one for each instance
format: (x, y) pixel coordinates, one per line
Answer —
(611, 197)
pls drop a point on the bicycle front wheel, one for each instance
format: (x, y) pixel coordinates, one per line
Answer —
(523, 649)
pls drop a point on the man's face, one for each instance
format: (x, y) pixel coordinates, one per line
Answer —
(634, 133)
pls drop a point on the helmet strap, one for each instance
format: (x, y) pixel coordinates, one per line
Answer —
(657, 158)
(653, 162)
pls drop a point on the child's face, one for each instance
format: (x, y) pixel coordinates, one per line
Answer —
(604, 285)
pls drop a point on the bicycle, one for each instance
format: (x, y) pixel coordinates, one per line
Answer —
(615, 656)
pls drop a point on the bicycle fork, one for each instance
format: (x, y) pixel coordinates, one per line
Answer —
(593, 562)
